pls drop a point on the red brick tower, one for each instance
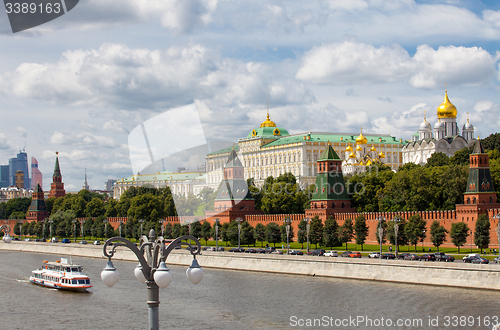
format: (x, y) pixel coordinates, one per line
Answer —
(38, 209)
(57, 186)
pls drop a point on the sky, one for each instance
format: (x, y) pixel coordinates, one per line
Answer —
(81, 83)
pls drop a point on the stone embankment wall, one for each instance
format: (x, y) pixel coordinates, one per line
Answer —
(455, 274)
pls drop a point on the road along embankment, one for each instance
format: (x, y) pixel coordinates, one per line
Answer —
(456, 274)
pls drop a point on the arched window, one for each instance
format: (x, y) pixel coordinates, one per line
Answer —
(468, 200)
(343, 205)
(491, 200)
(474, 200)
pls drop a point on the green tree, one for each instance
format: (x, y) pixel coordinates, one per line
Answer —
(260, 233)
(20, 204)
(438, 234)
(111, 208)
(346, 232)
(316, 231)
(415, 230)
(302, 232)
(216, 234)
(437, 159)
(282, 195)
(206, 230)
(461, 157)
(381, 223)
(207, 197)
(95, 208)
(196, 229)
(330, 232)
(459, 233)
(391, 232)
(283, 233)
(246, 236)
(168, 230)
(187, 206)
(146, 206)
(176, 230)
(361, 230)
(482, 232)
(273, 233)
(363, 188)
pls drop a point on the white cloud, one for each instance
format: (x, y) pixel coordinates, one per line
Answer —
(483, 106)
(351, 62)
(82, 139)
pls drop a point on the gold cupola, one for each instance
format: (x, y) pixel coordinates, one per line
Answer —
(373, 148)
(381, 155)
(358, 148)
(349, 148)
(361, 139)
(268, 122)
(352, 155)
(446, 109)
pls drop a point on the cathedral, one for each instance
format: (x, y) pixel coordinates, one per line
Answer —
(446, 137)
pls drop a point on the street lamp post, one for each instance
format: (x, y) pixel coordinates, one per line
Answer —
(20, 228)
(81, 228)
(396, 229)
(106, 227)
(470, 240)
(240, 220)
(380, 233)
(162, 226)
(216, 221)
(288, 221)
(120, 227)
(190, 221)
(43, 227)
(308, 226)
(74, 229)
(50, 227)
(151, 269)
(141, 221)
(6, 237)
(423, 234)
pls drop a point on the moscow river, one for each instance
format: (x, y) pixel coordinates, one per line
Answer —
(235, 300)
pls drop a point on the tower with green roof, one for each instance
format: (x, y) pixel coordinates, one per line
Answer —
(57, 186)
(38, 209)
(330, 193)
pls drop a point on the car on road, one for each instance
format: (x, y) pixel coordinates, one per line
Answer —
(346, 254)
(317, 252)
(374, 255)
(480, 260)
(388, 256)
(270, 249)
(277, 252)
(471, 256)
(83, 242)
(27, 239)
(251, 250)
(65, 240)
(427, 257)
(412, 257)
(403, 255)
(261, 251)
(496, 260)
(221, 248)
(54, 239)
(96, 243)
(446, 258)
(355, 255)
(296, 253)
(331, 254)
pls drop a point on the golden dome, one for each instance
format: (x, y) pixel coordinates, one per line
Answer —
(349, 148)
(268, 122)
(358, 148)
(361, 139)
(352, 155)
(446, 109)
(373, 148)
(381, 155)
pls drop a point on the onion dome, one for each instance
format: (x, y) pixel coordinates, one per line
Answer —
(468, 125)
(361, 139)
(358, 148)
(381, 155)
(268, 122)
(352, 155)
(349, 148)
(425, 125)
(446, 109)
(373, 148)
(439, 125)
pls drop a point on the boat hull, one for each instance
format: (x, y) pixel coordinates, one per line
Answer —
(49, 284)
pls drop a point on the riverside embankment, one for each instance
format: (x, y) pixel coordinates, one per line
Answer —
(455, 274)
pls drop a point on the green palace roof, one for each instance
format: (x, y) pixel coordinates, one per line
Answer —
(333, 138)
(272, 132)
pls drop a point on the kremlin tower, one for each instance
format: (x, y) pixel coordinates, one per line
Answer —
(57, 186)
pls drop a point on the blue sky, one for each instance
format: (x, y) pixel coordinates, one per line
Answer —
(81, 83)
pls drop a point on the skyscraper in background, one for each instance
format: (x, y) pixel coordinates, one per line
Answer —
(4, 176)
(20, 163)
(36, 175)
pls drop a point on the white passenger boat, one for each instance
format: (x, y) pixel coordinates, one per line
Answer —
(61, 275)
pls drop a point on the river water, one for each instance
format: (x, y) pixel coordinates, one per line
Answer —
(235, 300)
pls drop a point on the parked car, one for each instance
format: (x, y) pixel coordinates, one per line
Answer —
(480, 260)
(317, 252)
(346, 254)
(403, 255)
(277, 252)
(206, 248)
(65, 240)
(374, 255)
(192, 248)
(96, 243)
(412, 257)
(83, 242)
(388, 256)
(470, 256)
(27, 239)
(447, 258)
(296, 253)
(270, 249)
(221, 248)
(331, 254)
(355, 255)
(496, 260)
(54, 239)
(427, 257)
(261, 251)
(251, 250)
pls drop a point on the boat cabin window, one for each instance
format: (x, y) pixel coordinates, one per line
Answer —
(74, 282)
(74, 269)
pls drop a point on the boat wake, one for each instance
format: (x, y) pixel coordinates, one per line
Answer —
(22, 281)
